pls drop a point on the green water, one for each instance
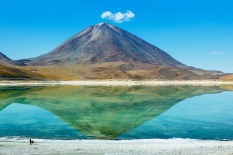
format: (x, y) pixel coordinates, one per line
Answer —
(68, 112)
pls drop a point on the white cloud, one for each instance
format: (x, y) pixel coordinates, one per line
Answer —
(106, 14)
(118, 17)
(217, 52)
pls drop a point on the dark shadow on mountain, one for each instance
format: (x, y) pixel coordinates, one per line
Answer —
(103, 112)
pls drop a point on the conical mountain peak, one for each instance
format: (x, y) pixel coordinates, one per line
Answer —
(105, 43)
(103, 51)
(105, 25)
(101, 24)
(99, 27)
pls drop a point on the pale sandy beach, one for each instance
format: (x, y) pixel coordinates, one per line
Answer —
(115, 83)
(124, 147)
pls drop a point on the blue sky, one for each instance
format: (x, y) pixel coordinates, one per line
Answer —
(196, 32)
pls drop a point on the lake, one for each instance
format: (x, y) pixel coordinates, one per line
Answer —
(94, 112)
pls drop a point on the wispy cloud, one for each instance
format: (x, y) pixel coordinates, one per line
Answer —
(118, 17)
(217, 52)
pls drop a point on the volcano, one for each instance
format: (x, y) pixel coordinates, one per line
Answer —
(105, 43)
(104, 51)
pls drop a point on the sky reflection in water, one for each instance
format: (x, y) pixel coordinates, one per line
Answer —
(66, 112)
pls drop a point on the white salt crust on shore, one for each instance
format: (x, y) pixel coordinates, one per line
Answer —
(122, 147)
(115, 83)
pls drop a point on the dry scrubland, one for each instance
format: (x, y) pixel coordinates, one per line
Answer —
(106, 70)
(227, 77)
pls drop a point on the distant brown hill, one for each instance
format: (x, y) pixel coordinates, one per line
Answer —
(4, 60)
(17, 73)
(11, 70)
(227, 77)
(104, 51)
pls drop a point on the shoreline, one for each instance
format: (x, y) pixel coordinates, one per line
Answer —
(120, 147)
(116, 83)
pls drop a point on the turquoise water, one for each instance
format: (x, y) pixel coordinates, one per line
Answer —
(30, 121)
(202, 117)
(67, 112)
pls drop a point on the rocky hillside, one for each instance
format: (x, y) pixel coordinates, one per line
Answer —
(4, 60)
(17, 73)
(105, 43)
(104, 51)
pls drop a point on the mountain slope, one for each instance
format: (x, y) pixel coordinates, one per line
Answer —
(4, 60)
(227, 77)
(17, 73)
(105, 43)
(104, 51)
(15, 70)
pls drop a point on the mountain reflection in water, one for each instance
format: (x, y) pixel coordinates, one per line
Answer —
(102, 112)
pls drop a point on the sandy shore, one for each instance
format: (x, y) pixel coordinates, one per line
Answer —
(114, 83)
(124, 147)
